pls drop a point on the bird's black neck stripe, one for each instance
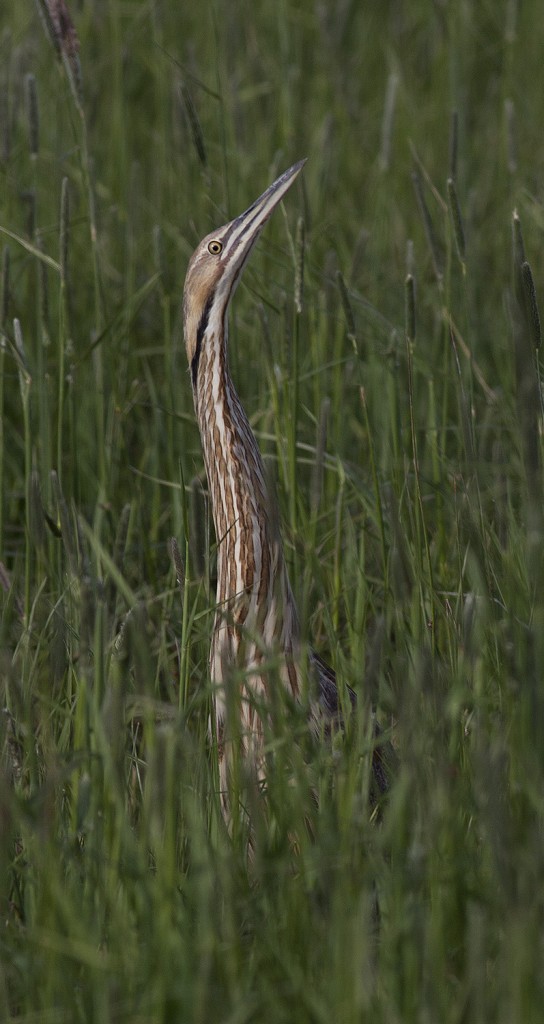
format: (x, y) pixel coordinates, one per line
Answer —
(200, 332)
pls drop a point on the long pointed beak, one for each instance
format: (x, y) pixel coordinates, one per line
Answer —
(242, 233)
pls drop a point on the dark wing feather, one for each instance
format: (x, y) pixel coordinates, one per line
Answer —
(383, 756)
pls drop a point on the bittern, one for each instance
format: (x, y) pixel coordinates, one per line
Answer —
(255, 612)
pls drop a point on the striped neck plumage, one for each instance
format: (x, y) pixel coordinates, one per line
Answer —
(234, 467)
(252, 581)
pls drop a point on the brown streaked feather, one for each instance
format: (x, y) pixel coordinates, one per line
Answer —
(255, 614)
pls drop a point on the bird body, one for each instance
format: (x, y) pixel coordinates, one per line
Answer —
(256, 617)
(255, 611)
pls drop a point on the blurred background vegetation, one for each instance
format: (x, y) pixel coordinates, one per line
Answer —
(400, 408)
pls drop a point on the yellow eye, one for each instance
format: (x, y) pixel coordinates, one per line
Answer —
(215, 247)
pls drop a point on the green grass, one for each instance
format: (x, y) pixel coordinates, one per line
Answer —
(403, 423)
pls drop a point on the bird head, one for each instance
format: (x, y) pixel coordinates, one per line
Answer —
(217, 263)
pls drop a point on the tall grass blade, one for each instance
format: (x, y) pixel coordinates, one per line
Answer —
(428, 226)
(456, 220)
(33, 116)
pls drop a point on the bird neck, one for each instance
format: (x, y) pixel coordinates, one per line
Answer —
(252, 580)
